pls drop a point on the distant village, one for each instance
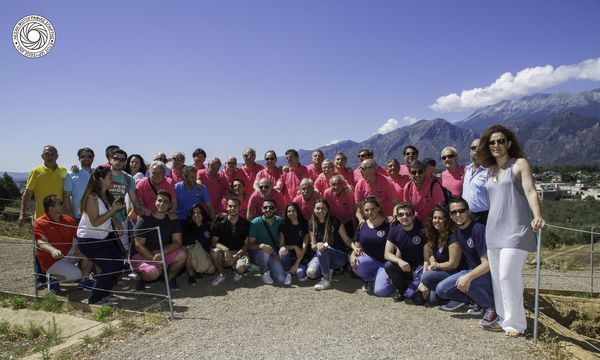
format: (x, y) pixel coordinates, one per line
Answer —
(550, 185)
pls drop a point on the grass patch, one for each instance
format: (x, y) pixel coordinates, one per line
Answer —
(103, 313)
(49, 303)
(18, 302)
(18, 340)
(13, 230)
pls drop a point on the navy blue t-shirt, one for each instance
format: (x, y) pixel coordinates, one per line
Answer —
(373, 241)
(191, 234)
(410, 243)
(472, 243)
(443, 255)
(293, 234)
(335, 224)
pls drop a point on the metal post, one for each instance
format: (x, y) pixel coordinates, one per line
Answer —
(35, 275)
(592, 262)
(537, 285)
(165, 268)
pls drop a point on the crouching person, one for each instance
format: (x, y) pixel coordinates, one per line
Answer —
(473, 285)
(148, 261)
(262, 240)
(55, 234)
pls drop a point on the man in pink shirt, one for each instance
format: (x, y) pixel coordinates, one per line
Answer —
(341, 160)
(215, 183)
(452, 177)
(232, 172)
(341, 202)
(307, 198)
(315, 168)
(289, 182)
(365, 154)
(322, 182)
(422, 192)
(271, 171)
(178, 165)
(410, 154)
(250, 169)
(147, 188)
(377, 185)
(394, 177)
(265, 192)
(199, 155)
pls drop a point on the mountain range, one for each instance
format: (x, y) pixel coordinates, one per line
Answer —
(553, 129)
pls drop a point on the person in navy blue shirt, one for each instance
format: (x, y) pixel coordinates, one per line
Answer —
(473, 285)
(404, 252)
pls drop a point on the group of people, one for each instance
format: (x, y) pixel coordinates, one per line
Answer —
(457, 239)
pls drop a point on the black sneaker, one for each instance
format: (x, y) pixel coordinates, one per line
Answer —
(398, 296)
(173, 285)
(418, 298)
(140, 284)
(192, 280)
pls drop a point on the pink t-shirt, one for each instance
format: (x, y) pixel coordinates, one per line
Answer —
(347, 174)
(147, 195)
(342, 206)
(405, 171)
(306, 207)
(398, 184)
(177, 176)
(452, 180)
(255, 203)
(216, 185)
(266, 173)
(291, 182)
(313, 173)
(382, 189)
(423, 200)
(251, 177)
(236, 174)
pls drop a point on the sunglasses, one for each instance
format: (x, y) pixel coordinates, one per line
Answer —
(231, 163)
(362, 155)
(161, 159)
(264, 187)
(270, 159)
(410, 154)
(473, 148)
(268, 207)
(449, 156)
(116, 158)
(402, 214)
(499, 142)
(415, 172)
(458, 211)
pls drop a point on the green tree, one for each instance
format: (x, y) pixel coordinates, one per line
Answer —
(9, 191)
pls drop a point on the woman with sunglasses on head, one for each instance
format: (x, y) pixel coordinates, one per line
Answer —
(422, 192)
(330, 241)
(404, 252)
(442, 254)
(514, 217)
(96, 238)
(367, 259)
(294, 249)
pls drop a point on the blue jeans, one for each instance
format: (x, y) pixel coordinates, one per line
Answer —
(480, 292)
(271, 263)
(431, 279)
(369, 269)
(288, 260)
(325, 262)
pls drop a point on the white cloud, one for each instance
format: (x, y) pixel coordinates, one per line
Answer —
(393, 124)
(332, 142)
(525, 81)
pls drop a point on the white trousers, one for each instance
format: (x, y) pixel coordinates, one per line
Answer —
(506, 268)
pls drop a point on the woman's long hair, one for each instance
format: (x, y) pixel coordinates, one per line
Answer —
(286, 223)
(435, 238)
(143, 167)
(327, 236)
(205, 218)
(94, 187)
(484, 155)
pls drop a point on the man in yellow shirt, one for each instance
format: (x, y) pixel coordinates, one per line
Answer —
(43, 180)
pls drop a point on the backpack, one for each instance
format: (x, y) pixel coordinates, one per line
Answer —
(447, 194)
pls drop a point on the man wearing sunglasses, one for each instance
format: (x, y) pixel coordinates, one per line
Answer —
(473, 285)
(422, 192)
(374, 184)
(410, 154)
(264, 245)
(265, 192)
(250, 169)
(76, 182)
(452, 177)
(473, 188)
(271, 171)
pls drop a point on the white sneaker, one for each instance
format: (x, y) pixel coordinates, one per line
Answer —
(218, 280)
(288, 280)
(323, 284)
(237, 276)
(266, 278)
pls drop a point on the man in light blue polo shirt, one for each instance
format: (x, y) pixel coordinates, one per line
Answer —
(189, 193)
(473, 190)
(76, 182)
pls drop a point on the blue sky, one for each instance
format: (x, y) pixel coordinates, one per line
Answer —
(224, 75)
